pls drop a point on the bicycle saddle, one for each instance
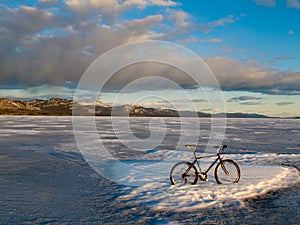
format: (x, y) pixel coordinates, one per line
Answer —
(221, 146)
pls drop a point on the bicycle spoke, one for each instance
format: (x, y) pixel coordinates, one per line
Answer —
(184, 173)
(227, 172)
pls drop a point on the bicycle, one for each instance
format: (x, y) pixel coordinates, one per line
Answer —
(226, 172)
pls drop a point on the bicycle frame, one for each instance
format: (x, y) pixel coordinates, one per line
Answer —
(208, 168)
(218, 155)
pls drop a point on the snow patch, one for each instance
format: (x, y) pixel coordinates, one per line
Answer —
(256, 179)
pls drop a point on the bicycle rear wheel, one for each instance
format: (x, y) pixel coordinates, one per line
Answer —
(227, 172)
(183, 173)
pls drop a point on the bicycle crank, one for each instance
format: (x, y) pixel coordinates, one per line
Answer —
(203, 176)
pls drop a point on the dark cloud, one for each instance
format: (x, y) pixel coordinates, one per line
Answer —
(244, 98)
(40, 46)
(284, 103)
(200, 100)
(250, 103)
(234, 75)
(136, 72)
(184, 101)
(54, 42)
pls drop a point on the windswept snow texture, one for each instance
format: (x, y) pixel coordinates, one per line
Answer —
(256, 180)
(45, 179)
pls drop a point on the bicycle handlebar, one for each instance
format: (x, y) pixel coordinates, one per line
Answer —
(221, 148)
(218, 147)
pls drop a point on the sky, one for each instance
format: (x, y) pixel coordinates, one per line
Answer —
(252, 47)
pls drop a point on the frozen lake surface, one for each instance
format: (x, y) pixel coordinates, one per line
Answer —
(45, 179)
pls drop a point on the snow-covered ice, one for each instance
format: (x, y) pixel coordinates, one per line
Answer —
(267, 151)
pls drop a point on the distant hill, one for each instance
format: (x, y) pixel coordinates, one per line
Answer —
(53, 106)
(241, 115)
(64, 107)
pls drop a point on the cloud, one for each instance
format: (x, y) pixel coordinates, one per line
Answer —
(293, 4)
(188, 40)
(151, 71)
(40, 45)
(282, 57)
(228, 49)
(176, 103)
(244, 98)
(143, 24)
(250, 103)
(38, 92)
(201, 100)
(253, 76)
(284, 103)
(55, 42)
(232, 75)
(183, 101)
(164, 3)
(180, 17)
(218, 23)
(212, 40)
(267, 3)
(182, 23)
(291, 32)
(111, 8)
(185, 24)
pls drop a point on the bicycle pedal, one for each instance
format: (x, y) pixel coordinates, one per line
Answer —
(203, 177)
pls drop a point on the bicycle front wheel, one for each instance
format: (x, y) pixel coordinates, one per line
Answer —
(183, 173)
(227, 172)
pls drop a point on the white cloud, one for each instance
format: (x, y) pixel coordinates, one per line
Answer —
(187, 40)
(164, 3)
(212, 40)
(114, 6)
(218, 23)
(180, 18)
(144, 3)
(267, 3)
(228, 49)
(282, 57)
(293, 4)
(81, 4)
(291, 32)
(144, 23)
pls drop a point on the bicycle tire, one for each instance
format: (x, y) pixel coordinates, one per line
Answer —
(177, 173)
(227, 172)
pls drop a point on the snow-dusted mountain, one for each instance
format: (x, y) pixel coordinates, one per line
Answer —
(64, 107)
